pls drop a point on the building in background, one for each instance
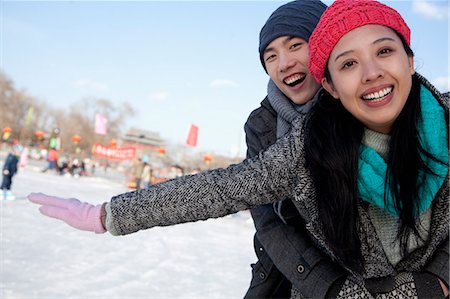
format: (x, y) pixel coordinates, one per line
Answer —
(146, 142)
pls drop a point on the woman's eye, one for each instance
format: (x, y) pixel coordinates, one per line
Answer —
(385, 51)
(348, 64)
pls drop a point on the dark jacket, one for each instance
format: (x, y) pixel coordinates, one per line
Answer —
(301, 263)
(9, 170)
(11, 164)
(280, 172)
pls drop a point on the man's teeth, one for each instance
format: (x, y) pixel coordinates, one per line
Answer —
(378, 95)
(293, 79)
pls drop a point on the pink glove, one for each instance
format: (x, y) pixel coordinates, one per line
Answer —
(83, 216)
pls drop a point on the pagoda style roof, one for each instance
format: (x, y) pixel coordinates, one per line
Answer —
(144, 137)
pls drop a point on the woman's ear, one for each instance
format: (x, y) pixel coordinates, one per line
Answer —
(411, 65)
(329, 87)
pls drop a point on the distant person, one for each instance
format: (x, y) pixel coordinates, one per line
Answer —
(52, 159)
(75, 167)
(147, 172)
(93, 166)
(138, 168)
(23, 160)
(10, 168)
(106, 166)
(63, 164)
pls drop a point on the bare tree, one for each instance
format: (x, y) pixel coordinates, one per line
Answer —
(26, 115)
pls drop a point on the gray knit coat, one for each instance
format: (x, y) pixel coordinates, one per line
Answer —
(276, 173)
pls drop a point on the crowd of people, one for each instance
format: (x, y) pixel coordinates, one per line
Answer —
(66, 165)
(17, 156)
(136, 174)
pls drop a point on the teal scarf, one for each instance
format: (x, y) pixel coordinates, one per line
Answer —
(432, 129)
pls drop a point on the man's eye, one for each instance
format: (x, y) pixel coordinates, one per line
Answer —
(270, 57)
(296, 45)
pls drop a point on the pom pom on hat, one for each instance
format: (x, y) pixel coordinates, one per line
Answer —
(343, 16)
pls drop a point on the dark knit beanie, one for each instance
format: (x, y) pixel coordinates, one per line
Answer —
(343, 16)
(297, 18)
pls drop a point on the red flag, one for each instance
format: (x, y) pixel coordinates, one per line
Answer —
(100, 124)
(192, 136)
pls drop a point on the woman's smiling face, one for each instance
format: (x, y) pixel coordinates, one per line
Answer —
(371, 75)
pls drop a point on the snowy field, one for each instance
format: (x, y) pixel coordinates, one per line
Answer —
(44, 258)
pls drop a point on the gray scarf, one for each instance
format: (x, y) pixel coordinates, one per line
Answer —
(286, 110)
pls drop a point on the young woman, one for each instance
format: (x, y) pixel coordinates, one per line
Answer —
(367, 168)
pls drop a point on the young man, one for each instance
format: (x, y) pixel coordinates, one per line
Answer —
(286, 256)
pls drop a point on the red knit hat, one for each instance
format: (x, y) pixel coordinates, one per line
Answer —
(343, 16)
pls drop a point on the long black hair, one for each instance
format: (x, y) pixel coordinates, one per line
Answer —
(332, 150)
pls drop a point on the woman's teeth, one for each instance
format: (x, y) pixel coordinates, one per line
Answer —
(379, 95)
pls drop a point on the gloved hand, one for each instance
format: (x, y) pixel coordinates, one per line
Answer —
(83, 216)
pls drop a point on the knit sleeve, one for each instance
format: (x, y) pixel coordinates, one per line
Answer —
(211, 194)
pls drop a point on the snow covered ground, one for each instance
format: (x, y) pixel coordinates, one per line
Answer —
(44, 258)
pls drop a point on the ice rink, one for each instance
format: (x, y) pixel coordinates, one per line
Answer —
(42, 257)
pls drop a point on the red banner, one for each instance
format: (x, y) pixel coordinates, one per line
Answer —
(102, 151)
(191, 139)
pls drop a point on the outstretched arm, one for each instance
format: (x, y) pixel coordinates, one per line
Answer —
(210, 194)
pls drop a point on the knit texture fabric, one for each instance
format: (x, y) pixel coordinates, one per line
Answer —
(378, 141)
(286, 110)
(387, 226)
(296, 18)
(344, 16)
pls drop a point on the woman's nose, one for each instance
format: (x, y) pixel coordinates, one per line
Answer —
(372, 71)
